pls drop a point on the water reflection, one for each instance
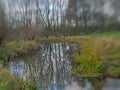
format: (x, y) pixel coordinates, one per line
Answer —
(50, 68)
(111, 84)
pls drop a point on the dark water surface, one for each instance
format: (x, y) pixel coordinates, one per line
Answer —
(50, 68)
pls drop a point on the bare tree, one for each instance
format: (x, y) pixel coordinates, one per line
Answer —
(85, 15)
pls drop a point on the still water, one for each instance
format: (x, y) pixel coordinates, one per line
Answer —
(51, 69)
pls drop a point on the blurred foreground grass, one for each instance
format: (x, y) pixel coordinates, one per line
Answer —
(2, 87)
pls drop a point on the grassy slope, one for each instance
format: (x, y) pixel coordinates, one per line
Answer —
(115, 53)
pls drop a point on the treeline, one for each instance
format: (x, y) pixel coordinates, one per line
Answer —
(58, 17)
(2, 24)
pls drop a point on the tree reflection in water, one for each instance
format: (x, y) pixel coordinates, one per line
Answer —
(50, 69)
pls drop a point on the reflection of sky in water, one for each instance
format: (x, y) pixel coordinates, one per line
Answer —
(111, 84)
(52, 70)
(17, 69)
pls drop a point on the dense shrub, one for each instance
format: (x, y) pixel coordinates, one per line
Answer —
(17, 48)
(28, 47)
(88, 63)
(87, 66)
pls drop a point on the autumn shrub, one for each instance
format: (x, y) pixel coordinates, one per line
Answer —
(30, 35)
(28, 47)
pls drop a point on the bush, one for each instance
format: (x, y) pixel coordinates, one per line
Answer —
(27, 47)
(87, 66)
(16, 48)
(88, 63)
(12, 47)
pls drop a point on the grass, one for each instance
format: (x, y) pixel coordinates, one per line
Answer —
(113, 34)
(113, 71)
